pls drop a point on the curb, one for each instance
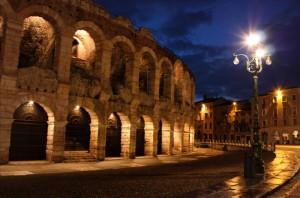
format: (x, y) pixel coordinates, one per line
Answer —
(283, 184)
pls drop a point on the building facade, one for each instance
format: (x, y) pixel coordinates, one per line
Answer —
(279, 116)
(73, 78)
(224, 120)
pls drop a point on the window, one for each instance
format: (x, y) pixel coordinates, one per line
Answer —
(294, 97)
(205, 126)
(210, 115)
(295, 122)
(275, 122)
(284, 99)
(295, 111)
(284, 122)
(210, 125)
(206, 115)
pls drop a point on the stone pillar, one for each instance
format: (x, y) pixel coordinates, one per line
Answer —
(101, 142)
(5, 131)
(64, 55)
(57, 154)
(106, 64)
(155, 137)
(11, 46)
(61, 113)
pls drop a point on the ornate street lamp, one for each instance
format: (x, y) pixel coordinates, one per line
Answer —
(254, 64)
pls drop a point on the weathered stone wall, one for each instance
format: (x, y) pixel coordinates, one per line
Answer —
(104, 79)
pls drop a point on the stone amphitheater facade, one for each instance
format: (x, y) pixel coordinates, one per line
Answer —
(73, 78)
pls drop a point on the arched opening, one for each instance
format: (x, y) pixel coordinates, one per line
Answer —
(78, 130)
(84, 76)
(29, 133)
(113, 136)
(165, 82)
(121, 67)
(140, 138)
(178, 95)
(163, 138)
(38, 43)
(147, 74)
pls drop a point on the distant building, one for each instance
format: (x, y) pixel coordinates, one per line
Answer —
(223, 120)
(279, 116)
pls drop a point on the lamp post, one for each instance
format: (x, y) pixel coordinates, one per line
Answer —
(254, 65)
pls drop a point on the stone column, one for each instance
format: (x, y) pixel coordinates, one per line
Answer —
(11, 46)
(57, 154)
(64, 55)
(5, 131)
(101, 142)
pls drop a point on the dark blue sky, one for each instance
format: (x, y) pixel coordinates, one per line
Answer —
(205, 33)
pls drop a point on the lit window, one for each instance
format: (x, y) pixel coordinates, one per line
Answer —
(284, 99)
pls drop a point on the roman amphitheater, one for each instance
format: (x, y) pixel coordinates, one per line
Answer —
(78, 83)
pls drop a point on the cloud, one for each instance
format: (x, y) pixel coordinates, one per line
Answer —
(181, 24)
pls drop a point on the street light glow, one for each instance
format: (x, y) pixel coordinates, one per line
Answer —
(253, 39)
(260, 53)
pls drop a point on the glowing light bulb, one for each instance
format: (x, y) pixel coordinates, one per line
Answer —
(236, 61)
(31, 102)
(253, 39)
(77, 107)
(269, 60)
(260, 53)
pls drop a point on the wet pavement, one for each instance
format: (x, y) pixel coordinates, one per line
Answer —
(292, 187)
(278, 172)
(205, 173)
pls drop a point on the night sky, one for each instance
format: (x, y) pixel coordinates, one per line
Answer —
(205, 33)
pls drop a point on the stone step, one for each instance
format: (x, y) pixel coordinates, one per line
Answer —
(78, 156)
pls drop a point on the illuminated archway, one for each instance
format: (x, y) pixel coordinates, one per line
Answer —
(78, 130)
(113, 136)
(29, 132)
(37, 46)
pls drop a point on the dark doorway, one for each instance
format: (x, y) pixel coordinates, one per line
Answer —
(140, 138)
(113, 136)
(159, 139)
(78, 130)
(29, 133)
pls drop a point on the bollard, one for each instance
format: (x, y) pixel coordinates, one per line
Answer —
(249, 165)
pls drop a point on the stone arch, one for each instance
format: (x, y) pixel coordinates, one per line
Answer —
(58, 25)
(147, 70)
(123, 39)
(178, 82)
(97, 35)
(145, 132)
(164, 137)
(28, 113)
(87, 47)
(44, 11)
(187, 90)
(38, 43)
(82, 130)
(125, 133)
(178, 133)
(165, 78)
(113, 136)
(122, 61)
